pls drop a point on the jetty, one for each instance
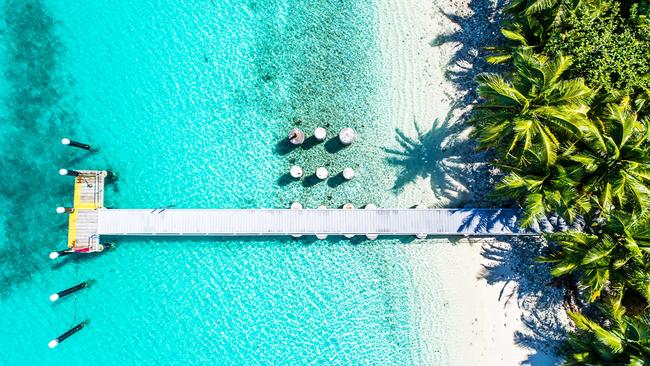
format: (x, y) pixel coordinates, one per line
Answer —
(87, 203)
(90, 220)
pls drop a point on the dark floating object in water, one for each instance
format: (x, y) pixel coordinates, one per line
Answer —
(64, 210)
(60, 253)
(68, 142)
(55, 342)
(68, 291)
(72, 173)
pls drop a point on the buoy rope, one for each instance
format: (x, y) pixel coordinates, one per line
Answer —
(75, 298)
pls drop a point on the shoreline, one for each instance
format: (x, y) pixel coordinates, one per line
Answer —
(488, 301)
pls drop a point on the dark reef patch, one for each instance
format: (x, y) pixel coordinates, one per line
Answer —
(36, 114)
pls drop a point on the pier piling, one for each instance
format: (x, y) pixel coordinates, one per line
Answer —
(296, 136)
(347, 136)
(322, 173)
(296, 172)
(320, 134)
(371, 236)
(348, 173)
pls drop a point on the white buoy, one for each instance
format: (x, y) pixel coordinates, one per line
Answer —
(296, 206)
(61, 210)
(66, 141)
(296, 136)
(296, 172)
(371, 206)
(421, 235)
(54, 255)
(348, 206)
(322, 173)
(348, 173)
(54, 297)
(347, 136)
(55, 342)
(320, 134)
(72, 173)
(321, 236)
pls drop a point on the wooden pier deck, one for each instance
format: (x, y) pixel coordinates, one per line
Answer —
(90, 220)
(258, 222)
(83, 221)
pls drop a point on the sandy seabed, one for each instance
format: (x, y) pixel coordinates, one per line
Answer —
(499, 307)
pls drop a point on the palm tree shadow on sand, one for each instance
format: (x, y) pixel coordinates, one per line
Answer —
(436, 155)
(512, 266)
(476, 30)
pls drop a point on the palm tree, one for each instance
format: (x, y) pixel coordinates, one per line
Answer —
(614, 258)
(544, 190)
(534, 111)
(624, 341)
(522, 34)
(616, 163)
(552, 12)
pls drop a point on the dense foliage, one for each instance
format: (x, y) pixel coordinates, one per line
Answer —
(569, 123)
(608, 50)
(623, 342)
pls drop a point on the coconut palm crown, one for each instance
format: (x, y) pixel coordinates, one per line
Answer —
(529, 116)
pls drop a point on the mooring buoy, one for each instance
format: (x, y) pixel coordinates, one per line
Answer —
(61, 210)
(55, 342)
(60, 253)
(66, 141)
(72, 173)
(68, 291)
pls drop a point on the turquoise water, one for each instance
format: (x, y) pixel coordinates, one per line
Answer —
(186, 101)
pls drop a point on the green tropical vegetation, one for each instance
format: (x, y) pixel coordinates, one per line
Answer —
(569, 124)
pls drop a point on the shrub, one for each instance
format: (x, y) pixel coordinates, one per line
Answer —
(609, 51)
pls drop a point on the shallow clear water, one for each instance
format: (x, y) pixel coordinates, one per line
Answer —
(187, 101)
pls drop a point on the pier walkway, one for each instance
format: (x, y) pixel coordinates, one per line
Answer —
(90, 220)
(255, 222)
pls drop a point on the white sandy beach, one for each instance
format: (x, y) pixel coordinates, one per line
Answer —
(494, 313)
